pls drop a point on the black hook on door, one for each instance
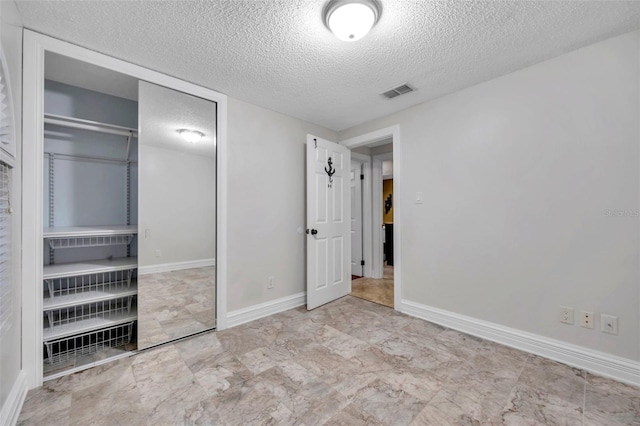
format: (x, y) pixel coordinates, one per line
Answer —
(330, 171)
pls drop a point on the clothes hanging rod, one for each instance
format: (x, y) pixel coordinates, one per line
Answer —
(72, 157)
(77, 123)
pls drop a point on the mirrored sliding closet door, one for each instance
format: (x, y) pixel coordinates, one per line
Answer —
(176, 215)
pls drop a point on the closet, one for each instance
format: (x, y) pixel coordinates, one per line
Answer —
(89, 289)
(123, 175)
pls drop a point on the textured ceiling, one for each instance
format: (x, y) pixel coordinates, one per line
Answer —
(278, 54)
(164, 111)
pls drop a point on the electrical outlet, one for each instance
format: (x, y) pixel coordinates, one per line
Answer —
(158, 253)
(609, 324)
(566, 315)
(586, 319)
(270, 282)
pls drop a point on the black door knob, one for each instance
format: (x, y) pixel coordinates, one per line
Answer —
(313, 231)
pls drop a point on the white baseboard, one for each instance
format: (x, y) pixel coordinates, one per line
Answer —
(622, 369)
(13, 405)
(176, 266)
(262, 310)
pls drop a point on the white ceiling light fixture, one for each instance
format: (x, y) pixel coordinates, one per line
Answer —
(350, 20)
(189, 135)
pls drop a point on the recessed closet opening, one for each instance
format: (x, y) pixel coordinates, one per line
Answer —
(128, 215)
(90, 215)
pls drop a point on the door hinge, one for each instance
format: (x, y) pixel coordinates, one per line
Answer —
(362, 177)
(362, 263)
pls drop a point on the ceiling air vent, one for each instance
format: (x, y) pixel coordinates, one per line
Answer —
(397, 91)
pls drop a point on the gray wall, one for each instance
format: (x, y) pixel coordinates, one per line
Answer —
(518, 174)
(10, 341)
(266, 203)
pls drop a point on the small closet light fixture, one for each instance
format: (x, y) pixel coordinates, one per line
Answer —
(189, 135)
(350, 20)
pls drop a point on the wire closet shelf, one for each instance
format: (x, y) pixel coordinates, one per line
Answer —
(90, 241)
(89, 286)
(73, 319)
(74, 347)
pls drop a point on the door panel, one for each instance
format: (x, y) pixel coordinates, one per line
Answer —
(328, 222)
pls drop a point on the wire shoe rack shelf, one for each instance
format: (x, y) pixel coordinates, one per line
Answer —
(70, 348)
(88, 287)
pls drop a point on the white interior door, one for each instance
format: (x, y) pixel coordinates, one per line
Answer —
(356, 218)
(328, 221)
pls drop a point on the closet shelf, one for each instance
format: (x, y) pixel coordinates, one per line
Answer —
(92, 296)
(82, 286)
(85, 345)
(95, 126)
(88, 325)
(61, 270)
(89, 236)
(97, 241)
(89, 231)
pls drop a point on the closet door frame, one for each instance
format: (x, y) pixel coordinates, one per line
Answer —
(35, 46)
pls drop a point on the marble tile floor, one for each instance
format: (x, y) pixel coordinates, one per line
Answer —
(174, 304)
(376, 290)
(350, 362)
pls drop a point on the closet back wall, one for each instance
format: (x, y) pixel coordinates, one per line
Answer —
(72, 101)
(88, 193)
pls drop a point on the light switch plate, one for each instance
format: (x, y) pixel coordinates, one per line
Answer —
(418, 197)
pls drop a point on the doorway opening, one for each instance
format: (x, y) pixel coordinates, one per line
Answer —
(373, 240)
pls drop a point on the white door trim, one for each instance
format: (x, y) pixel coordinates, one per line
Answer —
(366, 212)
(356, 186)
(366, 139)
(377, 222)
(35, 46)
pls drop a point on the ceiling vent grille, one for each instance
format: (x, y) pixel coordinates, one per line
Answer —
(397, 91)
